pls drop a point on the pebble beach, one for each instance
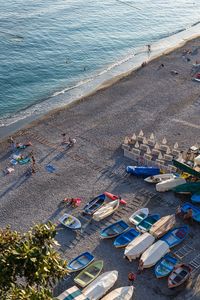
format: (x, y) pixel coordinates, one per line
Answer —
(155, 98)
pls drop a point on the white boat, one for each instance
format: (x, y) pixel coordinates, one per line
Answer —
(169, 184)
(106, 210)
(122, 293)
(99, 287)
(162, 226)
(138, 246)
(139, 215)
(159, 178)
(154, 253)
(72, 293)
(70, 221)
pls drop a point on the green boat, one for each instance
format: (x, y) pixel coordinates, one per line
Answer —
(186, 168)
(89, 274)
(187, 188)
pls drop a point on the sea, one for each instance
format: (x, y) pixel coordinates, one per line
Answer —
(54, 52)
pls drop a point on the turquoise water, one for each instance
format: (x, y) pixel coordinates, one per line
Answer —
(51, 50)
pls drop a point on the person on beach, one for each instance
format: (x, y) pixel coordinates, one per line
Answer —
(131, 278)
(71, 142)
(64, 141)
(161, 66)
(188, 215)
(140, 267)
(33, 163)
(149, 49)
(12, 144)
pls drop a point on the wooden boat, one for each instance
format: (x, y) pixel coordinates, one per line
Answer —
(125, 238)
(169, 184)
(106, 210)
(187, 188)
(80, 262)
(114, 229)
(139, 216)
(89, 274)
(195, 198)
(179, 275)
(160, 178)
(122, 293)
(138, 245)
(195, 210)
(186, 168)
(94, 204)
(146, 224)
(143, 171)
(154, 253)
(165, 266)
(175, 236)
(162, 226)
(115, 197)
(73, 293)
(99, 287)
(70, 221)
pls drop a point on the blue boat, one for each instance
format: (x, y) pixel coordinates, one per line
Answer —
(125, 238)
(175, 236)
(80, 262)
(195, 210)
(145, 224)
(165, 266)
(195, 198)
(114, 229)
(142, 171)
(94, 204)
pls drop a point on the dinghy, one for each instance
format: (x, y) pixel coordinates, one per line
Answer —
(195, 198)
(94, 204)
(99, 287)
(165, 266)
(154, 253)
(125, 238)
(138, 246)
(195, 210)
(80, 262)
(139, 216)
(169, 184)
(89, 274)
(114, 197)
(175, 236)
(122, 293)
(70, 221)
(162, 226)
(106, 210)
(146, 224)
(179, 275)
(73, 293)
(187, 188)
(160, 178)
(114, 229)
(143, 171)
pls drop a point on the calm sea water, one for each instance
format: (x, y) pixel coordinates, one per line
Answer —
(51, 49)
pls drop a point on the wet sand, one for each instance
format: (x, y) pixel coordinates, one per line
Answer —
(149, 99)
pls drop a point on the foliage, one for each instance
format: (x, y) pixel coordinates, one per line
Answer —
(29, 263)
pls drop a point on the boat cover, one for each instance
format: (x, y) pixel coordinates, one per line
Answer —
(122, 293)
(154, 253)
(72, 293)
(162, 226)
(169, 184)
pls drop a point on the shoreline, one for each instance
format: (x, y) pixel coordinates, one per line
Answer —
(156, 53)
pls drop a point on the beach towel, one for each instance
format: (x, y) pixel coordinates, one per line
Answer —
(24, 161)
(50, 168)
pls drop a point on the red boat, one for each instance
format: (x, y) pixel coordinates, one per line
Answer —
(115, 197)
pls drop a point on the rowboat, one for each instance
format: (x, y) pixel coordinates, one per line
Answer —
(138, 246)
(195, 210)
(114, 229)
(73, 293)
(146, 224)
(160, 178)
(94, 204)
(179, 275)
(89, 274)
(125, 238)
(142, 170)
(186, 168)
(139, 216)
(175, 236)
(195, 198)
(106, 210)
(99, 287)
(80, 262)
(165, 266)
(169, 184)
(115, 197)
(162, 226)
(188, 188)
(154, 253)
(70, 221)
(122, 293)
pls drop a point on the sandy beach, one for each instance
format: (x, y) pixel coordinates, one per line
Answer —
(153, 99)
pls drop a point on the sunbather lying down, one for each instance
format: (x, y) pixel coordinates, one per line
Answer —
(23, 145)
